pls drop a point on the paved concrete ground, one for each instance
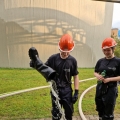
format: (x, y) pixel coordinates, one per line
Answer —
(88, 117)
(95, 117)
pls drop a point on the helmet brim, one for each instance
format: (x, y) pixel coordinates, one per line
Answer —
(66, 50)
(108, 47)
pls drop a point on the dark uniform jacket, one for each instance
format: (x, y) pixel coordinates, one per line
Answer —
(66, 68)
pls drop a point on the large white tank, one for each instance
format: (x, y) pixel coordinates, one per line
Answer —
(41, 23)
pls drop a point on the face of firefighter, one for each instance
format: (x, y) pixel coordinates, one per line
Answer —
(109, 52)
(64, 55)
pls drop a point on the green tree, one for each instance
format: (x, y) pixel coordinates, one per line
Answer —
(117, 50)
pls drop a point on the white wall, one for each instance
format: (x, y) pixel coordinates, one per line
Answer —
(41, 23)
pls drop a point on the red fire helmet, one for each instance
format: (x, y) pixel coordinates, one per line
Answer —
(108, 43)
(66, 43)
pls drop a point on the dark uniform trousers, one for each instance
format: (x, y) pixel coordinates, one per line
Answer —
(105, 102)
(65, 95)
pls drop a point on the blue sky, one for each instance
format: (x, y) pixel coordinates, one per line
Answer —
(116, 16)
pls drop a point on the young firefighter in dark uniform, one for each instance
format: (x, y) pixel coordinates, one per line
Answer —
(60, 67)
(106, 89)
(66, 67)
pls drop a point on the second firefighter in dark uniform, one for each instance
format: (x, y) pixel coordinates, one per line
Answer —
(106, 89)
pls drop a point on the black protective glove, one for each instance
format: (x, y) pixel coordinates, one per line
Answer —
(75, 97)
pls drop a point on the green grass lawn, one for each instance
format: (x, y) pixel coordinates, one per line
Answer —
(37, 104)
